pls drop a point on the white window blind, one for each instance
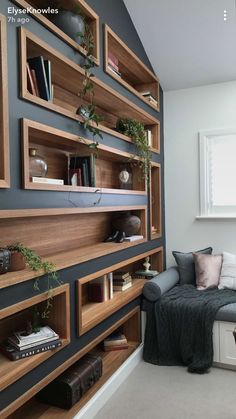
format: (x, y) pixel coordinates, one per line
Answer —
(218, 173)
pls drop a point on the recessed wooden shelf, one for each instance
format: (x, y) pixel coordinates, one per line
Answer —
(4, 123)
(67, 79)
(89, 14)
(83, 230)
(129, 325)
(90, 314)
(14, 318)
(155, 201)
(135, 75)
(56, 146)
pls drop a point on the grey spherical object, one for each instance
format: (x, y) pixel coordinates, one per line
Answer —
(70, 23)
(130, 224)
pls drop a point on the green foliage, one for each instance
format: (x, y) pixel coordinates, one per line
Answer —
(36, 263)
(136, 131)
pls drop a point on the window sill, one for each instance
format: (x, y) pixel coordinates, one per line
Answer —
(215, 217)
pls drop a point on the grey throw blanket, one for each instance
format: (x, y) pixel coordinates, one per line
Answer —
(179, 327)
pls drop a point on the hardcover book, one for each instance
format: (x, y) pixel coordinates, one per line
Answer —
(13, 354)
(37, 64)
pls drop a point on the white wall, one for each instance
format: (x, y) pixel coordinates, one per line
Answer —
(186, 112)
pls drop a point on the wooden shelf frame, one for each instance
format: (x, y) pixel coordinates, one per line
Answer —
(67, 78)
(14, 318)
(155, 204)
(4, 117)
(83, 235)
(130, 324)
(89, 14)
(91, 314)
(135, 75)
(56, 146)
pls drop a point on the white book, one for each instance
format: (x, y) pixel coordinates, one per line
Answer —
(110, 279)
(47, 180)
(149, 137)
(133, 238)
(31, 345)
(21, 338)
(122, 287)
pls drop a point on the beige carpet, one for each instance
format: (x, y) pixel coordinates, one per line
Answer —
(153, 392)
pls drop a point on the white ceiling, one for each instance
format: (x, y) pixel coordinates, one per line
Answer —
(187, 41)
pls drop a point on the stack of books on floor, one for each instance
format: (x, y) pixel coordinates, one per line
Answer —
(39, 78)
(101, 289)
(82, 170)
(122, 281)
(115, 342)
(148, 95)
(22, 345)
(113, 64)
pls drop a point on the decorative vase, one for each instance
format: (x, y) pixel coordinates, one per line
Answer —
(17, 261)
(128, 223)
(37, 165)
(70, 23)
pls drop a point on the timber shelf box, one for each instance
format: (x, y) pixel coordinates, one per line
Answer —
(4, 128)
(57, 146)
(91, 18)
(129, 325)
(14, 318)
(155, 201)
(92, 313)
(126, 68)
(67, 80)
(83, 230)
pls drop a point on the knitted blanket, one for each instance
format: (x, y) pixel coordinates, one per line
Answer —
(179, 327)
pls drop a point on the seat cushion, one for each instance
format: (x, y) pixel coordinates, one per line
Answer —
(227, 313)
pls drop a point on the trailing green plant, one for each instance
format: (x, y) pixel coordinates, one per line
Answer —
(136, 131)
(36, 264)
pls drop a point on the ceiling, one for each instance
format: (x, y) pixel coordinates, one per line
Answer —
(187, 41)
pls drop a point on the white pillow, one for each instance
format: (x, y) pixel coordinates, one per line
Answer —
(228, 272)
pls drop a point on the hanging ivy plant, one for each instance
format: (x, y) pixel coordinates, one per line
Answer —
(136, 131)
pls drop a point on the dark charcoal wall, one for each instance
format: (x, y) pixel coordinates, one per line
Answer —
(115, 15)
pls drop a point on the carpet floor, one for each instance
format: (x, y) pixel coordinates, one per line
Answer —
(154, 392)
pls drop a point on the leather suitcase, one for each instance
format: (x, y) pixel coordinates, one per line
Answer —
(68, 388)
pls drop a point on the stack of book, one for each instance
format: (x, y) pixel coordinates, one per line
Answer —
(101, 289)
(82, 170)
(145, 274)
(39, 77)
(113, 64)
(148, 95)
(122, 281)
(22, 345)
(115, 342)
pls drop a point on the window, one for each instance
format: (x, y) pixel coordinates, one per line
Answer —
(218, 173)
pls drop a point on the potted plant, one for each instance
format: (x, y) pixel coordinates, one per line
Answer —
(136, 131)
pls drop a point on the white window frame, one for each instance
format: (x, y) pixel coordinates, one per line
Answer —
(204, 181)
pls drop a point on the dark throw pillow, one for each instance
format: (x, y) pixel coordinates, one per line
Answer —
(186, 266)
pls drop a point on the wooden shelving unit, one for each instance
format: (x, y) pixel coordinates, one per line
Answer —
(83, 230)
(4, 122)
(155, 201)
(89, 14)
(90, 314)
(135, 75)
(14, 318)
(56, 146)
(67, 79)
(129, 325)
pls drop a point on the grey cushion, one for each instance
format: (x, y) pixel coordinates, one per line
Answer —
(154, 288)
(227, 313)
(185, 263)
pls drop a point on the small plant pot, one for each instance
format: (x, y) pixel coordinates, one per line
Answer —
(17, 262)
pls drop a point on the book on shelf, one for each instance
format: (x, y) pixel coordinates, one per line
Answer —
(33, 74)
(48, 180)
(99, 289)
(122, 287)
(14, 354)
(87, 165)
(149, 137)
(48, 71)
(113, 59)
(120, 274)
(115, 339)
(110, 280)
(30, 82)
(21, 339)
(113, 64)
(133, 238)
(122, 281)
(145, 274)
(38, 64)
(116, 72)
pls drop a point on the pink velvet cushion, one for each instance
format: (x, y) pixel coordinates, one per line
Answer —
(207, 268)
